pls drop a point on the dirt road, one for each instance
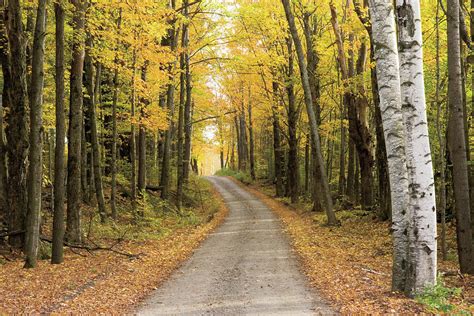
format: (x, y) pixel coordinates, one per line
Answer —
(246, 267)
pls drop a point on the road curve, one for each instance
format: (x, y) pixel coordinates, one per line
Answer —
(246, 267)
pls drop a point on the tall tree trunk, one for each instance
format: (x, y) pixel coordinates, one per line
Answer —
(99, 191)
(387, 63)
(385, 209)
(73, 228)
(442, 143)
(332, 220)
(35, 168)
(113, 153)
(310, 28)
(188, 106)
(306, 164)
(357, 105)
(243, 137)
(141, 183)
(277, 147)
(165, 169)
(17, 124)
(251, 140)
(342, 152)
(4, 104)
(422, 263)
(133, 138)
(457, 143)
(182, 101)
(381, 153)
(292, 175)
(59, 163)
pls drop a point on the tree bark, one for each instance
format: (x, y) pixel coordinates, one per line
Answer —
(182, 101)
(133, 138)
(422, 263)
(442, 143)
(113, 160)
(4, 207)
(75, 133)
(251, 140)
(17, 124)
(188, 106)
(35, 168)
(332, 220)
(59, 163)
(457, 143)
(277, 147)
(165, 169)
(292, 175)
(142, 142)
(387, 63)
(310, 29)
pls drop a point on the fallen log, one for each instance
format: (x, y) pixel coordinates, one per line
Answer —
(95, 248)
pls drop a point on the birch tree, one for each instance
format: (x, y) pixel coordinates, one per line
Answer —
(387, 63)
(422, 204)
(403, 105)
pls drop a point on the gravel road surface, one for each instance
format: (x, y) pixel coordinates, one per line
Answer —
(246, 267)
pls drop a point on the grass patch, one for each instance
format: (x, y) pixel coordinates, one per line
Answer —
(243, 177)
(436, 298)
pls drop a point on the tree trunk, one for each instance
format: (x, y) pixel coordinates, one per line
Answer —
(142, 143)
(292, 175)
(16, 124)
(422, 263)
(165, 169)
(310, 28)
(4, 103)
(277, 147)
(182, 101)
(35, 168)
(90, 104)
(357, 105)
(73, 228)
(387, 63)
(99, 191)
(251, 140)
(457, 143)
(311, 115)
(188, 106)
(113, 153)
(442, 143)
(133, 138)
(59, 163)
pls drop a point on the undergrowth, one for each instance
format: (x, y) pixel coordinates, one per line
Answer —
(436, 298)
(243, 177)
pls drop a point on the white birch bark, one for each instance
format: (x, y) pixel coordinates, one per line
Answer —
(421, 270)
(388, 75)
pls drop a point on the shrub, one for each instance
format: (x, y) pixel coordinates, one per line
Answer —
(436, 297)
(243, 177)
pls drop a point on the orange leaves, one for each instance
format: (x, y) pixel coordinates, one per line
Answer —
(100, 283)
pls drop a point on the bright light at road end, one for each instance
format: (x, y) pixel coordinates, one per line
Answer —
(210, 133)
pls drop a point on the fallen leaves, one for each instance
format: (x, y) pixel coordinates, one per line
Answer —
(351, 265)
(101, 283)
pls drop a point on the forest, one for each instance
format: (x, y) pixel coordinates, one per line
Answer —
(150, 147)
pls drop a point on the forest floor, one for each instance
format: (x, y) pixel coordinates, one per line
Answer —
(350, 265)
(105, 282)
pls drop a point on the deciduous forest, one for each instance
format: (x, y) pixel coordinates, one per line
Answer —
(236, 157)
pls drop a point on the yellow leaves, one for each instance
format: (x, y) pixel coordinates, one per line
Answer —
(351, 265)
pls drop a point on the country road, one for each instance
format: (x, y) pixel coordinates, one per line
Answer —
(246, 267)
